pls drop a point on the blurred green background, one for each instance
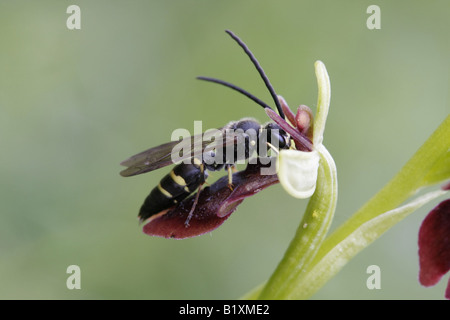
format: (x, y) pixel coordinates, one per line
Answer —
(74, 103)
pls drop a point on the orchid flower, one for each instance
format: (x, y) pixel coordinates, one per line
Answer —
(313, 257)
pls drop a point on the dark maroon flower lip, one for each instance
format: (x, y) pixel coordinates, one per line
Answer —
(214, 206)
(434, 246)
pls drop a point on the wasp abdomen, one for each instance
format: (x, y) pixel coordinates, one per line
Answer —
(173, 188)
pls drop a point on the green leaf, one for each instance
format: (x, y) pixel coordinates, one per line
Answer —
(324, 267)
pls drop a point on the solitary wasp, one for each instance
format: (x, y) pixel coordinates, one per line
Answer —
(190, 175)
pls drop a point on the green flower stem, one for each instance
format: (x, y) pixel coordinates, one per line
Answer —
(311, 232)
(320, 210)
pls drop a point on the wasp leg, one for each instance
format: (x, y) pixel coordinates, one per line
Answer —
(273, 148)
(191, 212)
(231, 169)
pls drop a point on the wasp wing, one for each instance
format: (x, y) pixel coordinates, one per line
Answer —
(149, 160)
(161, 156)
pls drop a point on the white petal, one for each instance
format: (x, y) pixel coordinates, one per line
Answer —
(297, 172)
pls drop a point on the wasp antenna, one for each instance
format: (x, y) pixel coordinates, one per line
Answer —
(260, 70)
(234, 87)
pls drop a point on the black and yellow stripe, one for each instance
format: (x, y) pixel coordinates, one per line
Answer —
(174, 187)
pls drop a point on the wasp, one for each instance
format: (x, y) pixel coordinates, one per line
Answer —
(190, 175)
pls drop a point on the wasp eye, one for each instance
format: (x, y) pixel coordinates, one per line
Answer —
(280, 140)
(277, 136)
